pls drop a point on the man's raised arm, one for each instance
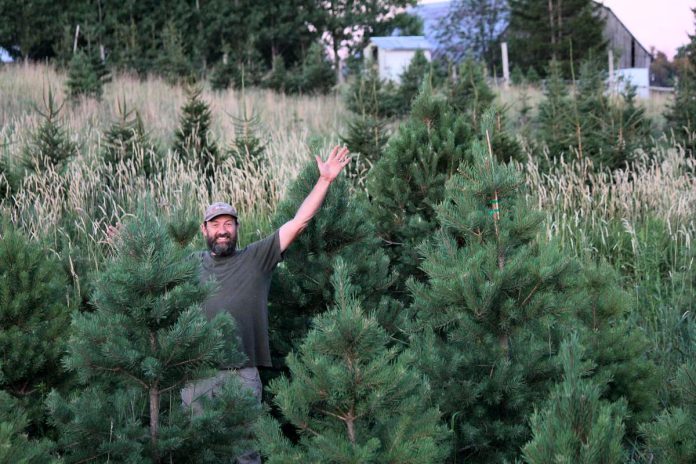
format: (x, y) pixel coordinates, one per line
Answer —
(328, 171)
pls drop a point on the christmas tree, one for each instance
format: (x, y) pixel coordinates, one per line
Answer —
(486, 320)
(146, 339)
(15, 446)
(680, 117)
(35, 318)
(351, 398)
(409, 180)
(576, 425)
(341, 230)
(50, 145)
(194, 140)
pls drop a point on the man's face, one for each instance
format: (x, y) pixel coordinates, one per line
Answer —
(221, 235)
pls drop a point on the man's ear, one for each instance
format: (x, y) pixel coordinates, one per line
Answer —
(204, 228)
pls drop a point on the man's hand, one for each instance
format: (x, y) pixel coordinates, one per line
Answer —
(334, 164)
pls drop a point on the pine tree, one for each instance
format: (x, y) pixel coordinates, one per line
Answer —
(576, 425)
(351, 398)
(145, 340)
(194, 140)
(341, 230)
(34, 318)
(487, 318)
(15, 446)
(408, 181)
(316, 75)
(50, 145)
(619, 349)
(471, 96)
(247, 147)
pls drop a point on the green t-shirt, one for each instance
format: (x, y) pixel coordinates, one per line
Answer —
(243, 282)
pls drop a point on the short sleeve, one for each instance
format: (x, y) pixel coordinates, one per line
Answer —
(266, 252)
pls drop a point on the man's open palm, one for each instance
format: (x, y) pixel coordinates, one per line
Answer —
(334, 164)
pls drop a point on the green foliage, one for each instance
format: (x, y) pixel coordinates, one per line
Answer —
(85, 78)
(672, 437)
(35, 318)
(145, 340)
(471, 96)
(615, 345)
(567, 31)
(576, 425)
(50, 145)
(370, 95)
(408, 180)
(341, 230)
(193, 139)
(315, 75)
(9, 178)
(555, 121)
(277, 79)
(411, 80)
(15, 446)
(351, 398)
(172, 62)
(366, 138)
(247, 148)
(126, 141)
(488, 316)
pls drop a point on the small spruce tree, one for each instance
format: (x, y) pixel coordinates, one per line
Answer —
(470, 93)
(127, 141)
(35, 318)
(576, 425)
(50, 144)
(145, 340)
(351, 397)
(554, 120)
(84, 79)
(193, 139)
(317, 75)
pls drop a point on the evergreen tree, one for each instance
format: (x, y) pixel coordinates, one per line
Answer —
(50, 145)
(247, 147)
(618, 349)
(370, 95)
(9, 178)
(408, 181)
(351, 397)
(173, 62)
(15, 446)
(316, 75)
(193, 139)
(672, 436)
(127, 141)
(576, 425)
(487, 319)
(680, 116)
(411, 80)
(471, 96)
(145, 340)
(555, 117)
(85, 77)
(341, 230)
(34, 318)
(560, 30)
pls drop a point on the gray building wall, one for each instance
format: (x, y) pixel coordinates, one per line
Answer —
(627, 50)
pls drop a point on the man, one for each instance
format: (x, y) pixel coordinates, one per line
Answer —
(244, 277)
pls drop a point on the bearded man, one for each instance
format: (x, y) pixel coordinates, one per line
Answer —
(243, 280)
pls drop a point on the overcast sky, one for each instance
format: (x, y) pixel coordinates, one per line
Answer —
(663, 24)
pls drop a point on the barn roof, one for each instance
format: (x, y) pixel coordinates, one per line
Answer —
(409, 42)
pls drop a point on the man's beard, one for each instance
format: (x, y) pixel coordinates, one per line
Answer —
(222, 249)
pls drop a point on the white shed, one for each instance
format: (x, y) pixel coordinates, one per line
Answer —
(393, 54)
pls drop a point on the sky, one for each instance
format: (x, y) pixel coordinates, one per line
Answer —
(663, 24)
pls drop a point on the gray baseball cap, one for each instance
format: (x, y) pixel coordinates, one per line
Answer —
(218, 209)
